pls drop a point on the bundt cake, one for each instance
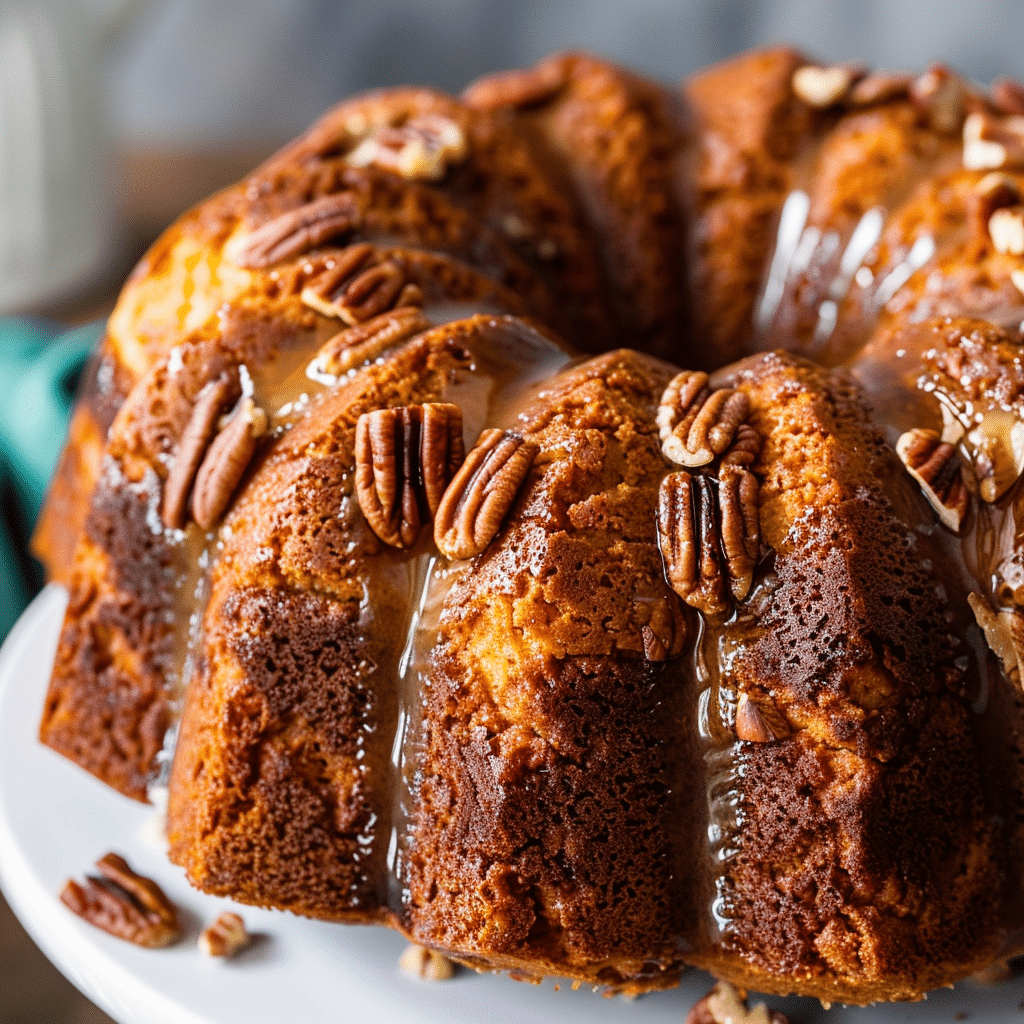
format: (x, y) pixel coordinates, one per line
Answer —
(578, 525)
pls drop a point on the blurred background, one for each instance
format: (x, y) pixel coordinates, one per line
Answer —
(116, 115)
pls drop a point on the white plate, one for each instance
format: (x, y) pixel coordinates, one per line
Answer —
(56, 820)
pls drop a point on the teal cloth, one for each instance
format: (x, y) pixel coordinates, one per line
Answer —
(39, 371)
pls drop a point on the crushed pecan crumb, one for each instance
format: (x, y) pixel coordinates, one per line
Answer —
(482, 493)
(124, 904)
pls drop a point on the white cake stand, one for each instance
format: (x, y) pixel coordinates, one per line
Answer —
(55, 821)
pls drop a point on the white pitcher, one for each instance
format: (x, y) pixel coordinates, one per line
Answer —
(56, 217)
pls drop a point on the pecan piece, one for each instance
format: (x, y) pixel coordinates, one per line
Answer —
(354, 292)
(725, 1004)
(937, 467)
(654, 648)
(356, 345)
(992, 142)
(195, 439)
(759, 721)
(225, 462)
(123, 903)
(421, 149)
(941, 97)
(405, 459)
(225, 937)
(297, 231)
(527, 88)
(1004, 634)
(745, 448)
(1007, 96)
(689, 540)
(741, 532)
(880, 87)
(482, 493)
(1006, 229)
(420, 962)
(695, 423)
(997, 447)
(824, 87)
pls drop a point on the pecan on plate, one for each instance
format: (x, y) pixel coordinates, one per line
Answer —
(759, 721)
(725, 1004)
(123, 903)
(695, 423)
(482, 493)
(421, 149)
(297, 231)
(226, 461)
(225, 937)
(420, 962)
(405, 459)
(688, 533)
(195, 440)
(363, 342)
(937, 467)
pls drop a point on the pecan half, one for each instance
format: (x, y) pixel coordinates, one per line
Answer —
(297, 231)
(689, 540)
(740, 531)
(425, 964)
(526, 88)
(354, 292)
(225, 462)
(188, 455)
(941, 97)
(823, 87)
(1007, 95)
(695, 423)
(1004, 634)
(759, 721)
(745, 448)
(482, 493)
(880, 87)
(421, 149)
(992, 142)
(123, 903)
(405, 459)
(225, 937)
(725, 1005)
(356, 345)
(937, 467)
(997, 448)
